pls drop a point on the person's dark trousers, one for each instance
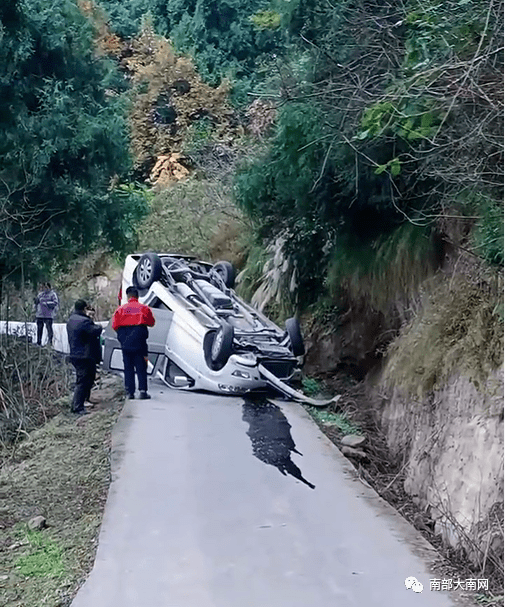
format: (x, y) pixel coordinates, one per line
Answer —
(91, 380)
(85, 373)
(134, 361)
(40, 329)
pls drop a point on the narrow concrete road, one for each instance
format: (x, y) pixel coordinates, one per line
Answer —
(212, 504)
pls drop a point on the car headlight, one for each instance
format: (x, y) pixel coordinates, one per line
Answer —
(242, 374)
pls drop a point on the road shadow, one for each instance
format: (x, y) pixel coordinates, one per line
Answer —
(270, 435)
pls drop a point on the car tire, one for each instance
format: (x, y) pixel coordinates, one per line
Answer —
(295, 336)
(148, 270)
(222, 346)
(226, 271)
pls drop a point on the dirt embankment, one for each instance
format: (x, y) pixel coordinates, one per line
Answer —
(425, 385)
(53, 487)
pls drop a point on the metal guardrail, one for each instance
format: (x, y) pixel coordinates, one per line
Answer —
(22, 329)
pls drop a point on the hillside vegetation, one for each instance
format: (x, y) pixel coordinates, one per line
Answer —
(381, 142)
(346, 156)
(353, 130)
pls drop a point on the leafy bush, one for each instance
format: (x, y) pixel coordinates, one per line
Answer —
(221, 36)
(185, 218)
(388, 269)
(290, 179)
(358, 175)
(126, 15)
(266, 19)
(409, 119)
(319, 196)
(438, 30)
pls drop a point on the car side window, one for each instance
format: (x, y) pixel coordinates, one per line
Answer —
(159, 305)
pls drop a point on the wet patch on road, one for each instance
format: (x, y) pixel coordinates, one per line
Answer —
(270, 435)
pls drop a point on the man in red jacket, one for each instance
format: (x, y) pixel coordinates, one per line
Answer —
(130, 321)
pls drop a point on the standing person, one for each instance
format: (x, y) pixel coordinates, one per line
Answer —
(46, 307)
(130, 321)
(83, 335)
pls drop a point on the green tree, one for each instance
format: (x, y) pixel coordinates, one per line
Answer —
(223, 37)
(126, 15)
(63, 139)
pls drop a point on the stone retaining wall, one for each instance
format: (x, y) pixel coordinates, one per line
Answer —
(452, 447)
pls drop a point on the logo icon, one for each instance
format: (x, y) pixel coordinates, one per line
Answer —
(411, 583)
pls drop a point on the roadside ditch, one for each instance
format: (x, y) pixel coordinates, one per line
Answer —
(351, 426)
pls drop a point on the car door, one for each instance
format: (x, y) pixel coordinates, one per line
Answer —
(156, 342)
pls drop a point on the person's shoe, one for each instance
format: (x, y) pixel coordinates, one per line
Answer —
(130, 396)
(81, 412)
(144, 396)
(88, 404)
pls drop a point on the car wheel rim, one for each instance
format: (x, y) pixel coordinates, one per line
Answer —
(145, 270)
(216, 346)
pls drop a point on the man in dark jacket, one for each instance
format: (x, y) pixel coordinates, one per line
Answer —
(130, 321)
(83, 335)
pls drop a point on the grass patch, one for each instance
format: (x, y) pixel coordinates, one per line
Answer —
(390, 268)
(312, 386)
(488, 234)
(252, 273)
(341, 421)
(45, 558)
(459, 329)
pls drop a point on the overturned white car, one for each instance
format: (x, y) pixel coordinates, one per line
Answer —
(206, 337)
